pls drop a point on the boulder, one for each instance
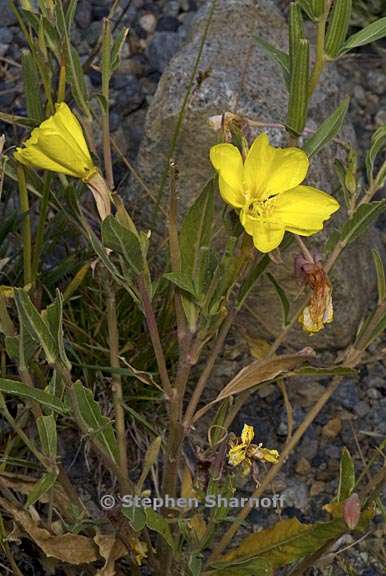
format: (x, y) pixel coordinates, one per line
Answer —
(237, 76)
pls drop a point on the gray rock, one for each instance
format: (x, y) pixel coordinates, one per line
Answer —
(255, 91)
(162, 49)
(130, 95)
(5, 35)
(296, 494)
(83, 14)
(7, 16)
(347, 394)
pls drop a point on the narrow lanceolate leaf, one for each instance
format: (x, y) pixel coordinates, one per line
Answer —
(47, 434)
(378, 143)
(182, 280)
(254, 567)
(36, 326)
(121, 240)
(282, 296)
(295, 31)
(41, 487)
(313, 8)
(117, 46)
(196, 231)
(284, 543)
(21, 390)
(328, 130)
(361, 220)
(320, 372)
(98, 425)
(251, 279)
(31, 83)
(278, 56)
(374, 31)
(346, 476)
(380, 271)
(298, 97)
(54, 317)
(338, 27)
(260, 372)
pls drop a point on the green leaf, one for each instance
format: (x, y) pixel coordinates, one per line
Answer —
(157, 523)
(287, 541)
(328, 130)
(48, 436)
(338, 27)
(117, 46)
(98, 425)
(313, 8)
(36, 326)
(346, 476)
(283, 297)
(182, 280)
(374, 31)
(361, 220)
(251, 279)
(136, 516)
(380, 271)
(295, 30)
(31, 83)
(54, 316)
(120, 239)
(298, 93)
(40, 488)
(196, 231)
(254, 567)
(278, 56)
(21, 390)
(378, 142)
(70, 13)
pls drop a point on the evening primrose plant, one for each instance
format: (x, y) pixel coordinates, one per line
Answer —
(108, 354)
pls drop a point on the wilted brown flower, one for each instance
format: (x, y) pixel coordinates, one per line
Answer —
(320, 310)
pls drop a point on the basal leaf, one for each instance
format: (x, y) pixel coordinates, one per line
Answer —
(157, 523)
(346, 476)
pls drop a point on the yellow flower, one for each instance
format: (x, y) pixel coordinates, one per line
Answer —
(245, 452)
(59, 145)
(266, 188)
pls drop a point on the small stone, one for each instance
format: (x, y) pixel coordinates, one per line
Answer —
(83, 14)
(333, 452)
(332, 428)
(130, 95)
(376, 80)
(317, 488)
(373, 394)
(360, 94)
(148, 22)
(92, 33)
(296, 495)
(362, 408)
(162, 49)
(309, 448)
(172, 8)
(3, 49)
(168, 24)
(5, 35)
(380, 118)
(347, 394)
(303, 467)
(8, 18)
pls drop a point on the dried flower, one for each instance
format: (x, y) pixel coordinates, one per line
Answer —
(320, 309)
(243, 452)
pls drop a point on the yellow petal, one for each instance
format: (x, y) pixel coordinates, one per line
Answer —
(267, 235)
(304, 209)
(226, 159)
(58, 144)
(247, 434)
(269, 455)
(236, 455)
(269, 171)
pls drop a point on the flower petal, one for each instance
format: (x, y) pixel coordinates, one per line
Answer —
(267, 235)
(304, 209)
(227, 160)
(33, 156)
(247, 434)
(68, 122)
(236, 455)
(269, 171)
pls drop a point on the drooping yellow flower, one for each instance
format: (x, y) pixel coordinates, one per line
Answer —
(244, 452)
(266, 188)
(59, 145)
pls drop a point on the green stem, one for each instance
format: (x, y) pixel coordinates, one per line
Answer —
(43, 211)
(320, 57)
(27, 236)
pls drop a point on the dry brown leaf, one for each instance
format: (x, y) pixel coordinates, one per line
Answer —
(72, 548)
(25, 484)
(111, 549)
(259, 372)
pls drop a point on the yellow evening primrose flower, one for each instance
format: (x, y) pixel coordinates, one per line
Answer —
(244, 452)
(267, 190)
(58, 145)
